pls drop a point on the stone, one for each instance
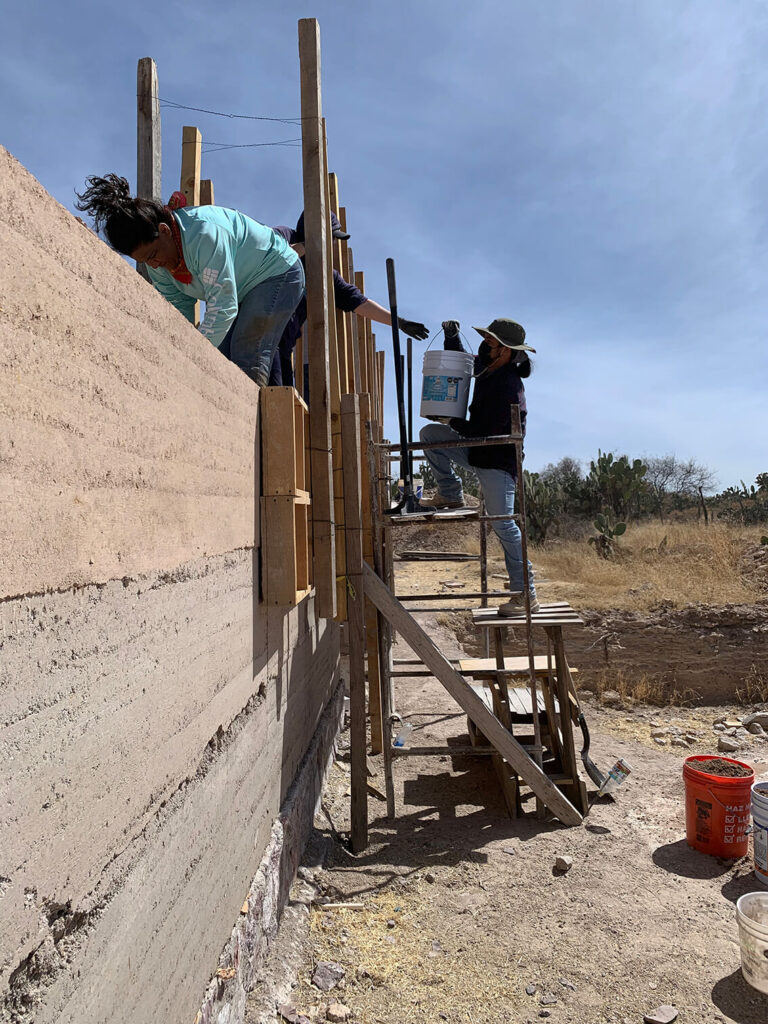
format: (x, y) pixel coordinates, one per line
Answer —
(611, 699)
(756, 729)
(586, 693)
(726, 745)
(548, 999)
(731, 723)
(327, 975)
(678, 741)
(759, 717)
(659, 732)
(429, 877)
(391, 923)
(563, 864)
(530, 989)
(544, 1013)
(361, 973)
(719, 726)
(290, 1014)
(661, 1015)
(338, 1013)
(660, 740)
(567, 984)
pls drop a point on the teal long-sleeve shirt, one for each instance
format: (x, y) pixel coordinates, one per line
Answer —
(227, 255)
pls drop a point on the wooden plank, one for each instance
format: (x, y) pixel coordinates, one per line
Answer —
(361, 326)
(317, 324)
(279, 550)
(568, 751)
(468, 700)
(206, 192)
(149, 164)
(371, 615)
(511, 664)
(380, 364)
(349, 275)
(353, 537)
(337, 247)
(282, 472)
(191, 160)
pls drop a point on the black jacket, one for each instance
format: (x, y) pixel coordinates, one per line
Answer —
(489, 413)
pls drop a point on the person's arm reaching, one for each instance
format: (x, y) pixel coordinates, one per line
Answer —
(373, 311)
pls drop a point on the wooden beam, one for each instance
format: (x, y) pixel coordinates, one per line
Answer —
(206, 192)
(191, 160)
(371, 615)
(337, 246)
(354, 343)
(380, 364)
(366, 384)
(353, 537)
(317, 324)
(465, 696)
(149, 164)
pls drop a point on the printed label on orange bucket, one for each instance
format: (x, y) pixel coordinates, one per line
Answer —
(717, 804)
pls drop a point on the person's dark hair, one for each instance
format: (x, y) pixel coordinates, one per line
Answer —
(126, 220)
(524, 368)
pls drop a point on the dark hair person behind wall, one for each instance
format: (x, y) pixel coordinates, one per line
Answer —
(500, 366)
(249, 277)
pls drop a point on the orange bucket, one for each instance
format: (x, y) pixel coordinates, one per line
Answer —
(717, 808)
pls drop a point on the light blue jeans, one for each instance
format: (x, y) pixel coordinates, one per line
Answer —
(252, 340)
(498, 489)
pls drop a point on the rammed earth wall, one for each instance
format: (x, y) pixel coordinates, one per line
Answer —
(154, 715)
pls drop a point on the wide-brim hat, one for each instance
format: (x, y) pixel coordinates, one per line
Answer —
(507, 332)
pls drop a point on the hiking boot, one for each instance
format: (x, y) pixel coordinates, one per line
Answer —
(439, 501)
(516, 605)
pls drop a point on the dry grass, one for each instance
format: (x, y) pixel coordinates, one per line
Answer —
(642, 689)
(754, 689)
(678, 563)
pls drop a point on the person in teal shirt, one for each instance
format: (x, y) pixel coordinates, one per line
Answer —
(248, 276)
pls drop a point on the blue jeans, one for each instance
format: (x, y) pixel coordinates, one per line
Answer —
(498, 489)
(252, 340)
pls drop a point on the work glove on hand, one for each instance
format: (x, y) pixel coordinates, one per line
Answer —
(413, 329)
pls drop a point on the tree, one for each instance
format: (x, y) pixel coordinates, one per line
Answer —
(667, 476)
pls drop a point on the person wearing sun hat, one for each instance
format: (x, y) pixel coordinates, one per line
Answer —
(502, 362)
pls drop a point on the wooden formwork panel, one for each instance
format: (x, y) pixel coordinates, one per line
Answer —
(285, 549)
(285, 429)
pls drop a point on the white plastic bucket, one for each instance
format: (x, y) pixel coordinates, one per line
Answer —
(760, 830)
(752, 915)
(445, 388)
(418, 487)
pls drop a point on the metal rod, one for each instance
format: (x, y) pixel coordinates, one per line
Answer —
(432, 518)
(409, 365)
(472, 596)
(408, 501)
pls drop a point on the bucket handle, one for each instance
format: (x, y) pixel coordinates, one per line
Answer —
(461, 335)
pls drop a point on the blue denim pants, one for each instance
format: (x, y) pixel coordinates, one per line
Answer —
(498, 489)
(251, 342)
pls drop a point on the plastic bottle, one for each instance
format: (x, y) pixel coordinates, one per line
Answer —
(615, 777)
(401, 740)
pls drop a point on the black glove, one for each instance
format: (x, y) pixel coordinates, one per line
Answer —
(412, 329)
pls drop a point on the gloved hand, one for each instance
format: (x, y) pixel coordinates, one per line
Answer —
(413, 329)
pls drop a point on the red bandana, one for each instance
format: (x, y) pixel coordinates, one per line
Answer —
(180, 271)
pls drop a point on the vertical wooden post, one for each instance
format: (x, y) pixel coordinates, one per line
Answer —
(354, 344)
(336, 391)
(191, 160)
(149, 164)
(371, 615)
(380, 361)
(353, 535)
(317, 325)
(206, 192)
(366, 384)
(337, 247)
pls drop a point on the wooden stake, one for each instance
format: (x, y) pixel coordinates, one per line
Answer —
(206, 192)
(149, 165)
(366, 385)
(357, 381)
(317, 325)
(191, 159)
(371, 615)
(353, 534)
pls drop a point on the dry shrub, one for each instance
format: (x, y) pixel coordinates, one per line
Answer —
(754, 689)
(640, 689)
(678, 563)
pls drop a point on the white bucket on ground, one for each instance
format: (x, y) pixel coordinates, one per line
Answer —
(752, 915)
(760, 830)
(445, 388)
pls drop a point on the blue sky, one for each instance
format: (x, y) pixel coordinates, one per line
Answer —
(597, 170)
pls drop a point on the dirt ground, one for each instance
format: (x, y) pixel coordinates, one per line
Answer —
(464, 918)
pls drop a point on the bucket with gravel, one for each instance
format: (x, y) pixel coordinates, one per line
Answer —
(717, 804)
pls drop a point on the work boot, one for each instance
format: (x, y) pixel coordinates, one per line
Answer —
(516, 605)
(439, 501)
